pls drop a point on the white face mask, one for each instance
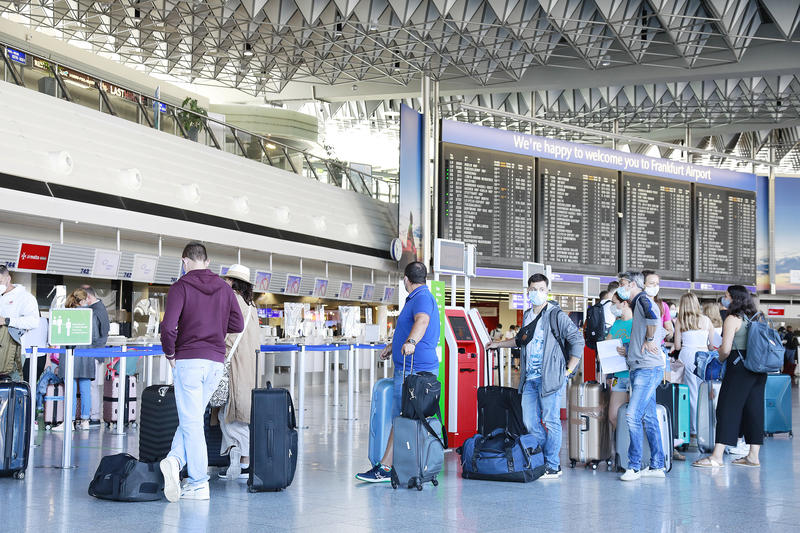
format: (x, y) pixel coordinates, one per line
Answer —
(616, 311)
(652, 291)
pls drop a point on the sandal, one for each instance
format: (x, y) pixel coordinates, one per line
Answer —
(707, 462)
(744, 461)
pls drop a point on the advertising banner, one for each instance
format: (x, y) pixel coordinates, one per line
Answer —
(410, 202)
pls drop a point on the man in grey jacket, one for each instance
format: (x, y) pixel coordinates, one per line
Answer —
(545, 338)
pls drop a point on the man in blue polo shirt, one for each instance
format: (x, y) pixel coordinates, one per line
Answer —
(417, 335)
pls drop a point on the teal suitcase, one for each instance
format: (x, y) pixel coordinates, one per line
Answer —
(675, 397)
(778, 404)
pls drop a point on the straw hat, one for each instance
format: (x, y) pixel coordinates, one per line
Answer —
(240, 272)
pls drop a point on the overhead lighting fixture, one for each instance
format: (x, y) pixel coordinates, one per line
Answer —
(271, 146)
(606, 63)
(248, 50)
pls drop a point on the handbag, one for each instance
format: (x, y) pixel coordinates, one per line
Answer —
(221, 395)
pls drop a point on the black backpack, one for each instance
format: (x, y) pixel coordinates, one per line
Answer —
(595, 325)
(123, 478)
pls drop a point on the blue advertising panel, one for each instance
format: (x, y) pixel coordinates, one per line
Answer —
(17, 56)
(410, 177)
(787, 245)
(762, 233)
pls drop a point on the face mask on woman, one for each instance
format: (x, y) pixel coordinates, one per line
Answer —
(616, 311)
(725, 301)
(652, 291)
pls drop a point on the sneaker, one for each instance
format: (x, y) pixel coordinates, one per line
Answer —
(94, 424)
(243, 474)
(630, 475)
(196, 492)
(653, 472)
(377, 474)
(678, 456)
(551, 473)
(83, 425)
(59, 428)
(170, 468)
(741, 448)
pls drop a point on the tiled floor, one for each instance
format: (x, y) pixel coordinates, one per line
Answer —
(325, 497)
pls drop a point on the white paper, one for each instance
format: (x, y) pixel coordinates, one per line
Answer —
(610, 360)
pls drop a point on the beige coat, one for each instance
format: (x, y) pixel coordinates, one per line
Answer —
(243, 365)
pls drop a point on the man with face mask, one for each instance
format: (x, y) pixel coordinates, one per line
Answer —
(545, 328)
(417, 334)
(19, 313)
(646, 363)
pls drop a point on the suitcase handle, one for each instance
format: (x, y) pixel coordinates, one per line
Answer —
(585, 419)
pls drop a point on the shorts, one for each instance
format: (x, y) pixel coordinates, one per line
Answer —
(620, 384)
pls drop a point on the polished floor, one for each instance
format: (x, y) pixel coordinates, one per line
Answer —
(325, 497)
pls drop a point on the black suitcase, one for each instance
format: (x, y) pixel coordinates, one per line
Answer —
(158, 422)
(273, 440)
(214, 440)
(15, 428)
(500, 407)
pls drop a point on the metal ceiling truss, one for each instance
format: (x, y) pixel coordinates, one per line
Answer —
(259, 46)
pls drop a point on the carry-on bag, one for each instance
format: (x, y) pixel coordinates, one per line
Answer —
(675, 397)
(111, 395)
(273, 440)
(589, 431)
(123, 478)
(54, 405)
(418, 452)
(707, 397)
(213, 434)
(380, 418)
(159, 420)
(624, 438)
(778, 404)
(500, 407)
(15, 428)
(501, 456)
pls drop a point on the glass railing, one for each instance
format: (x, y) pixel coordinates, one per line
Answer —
(27, 70)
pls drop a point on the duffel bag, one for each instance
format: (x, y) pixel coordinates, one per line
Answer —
(123, 478)
(500, 456)
(708, 366)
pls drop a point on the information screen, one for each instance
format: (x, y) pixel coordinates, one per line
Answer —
(487, 199)
(726, 235)
(657, 226)
(578, 218)
(460, 328)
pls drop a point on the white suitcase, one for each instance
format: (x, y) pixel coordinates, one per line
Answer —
(707, 397)
(623, 439)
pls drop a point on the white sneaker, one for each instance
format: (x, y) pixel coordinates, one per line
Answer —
(235, 469)
(171, 469)
(741, 448)
(196, 492)
(653, 472)
(58, 429)
(83, 425)
(630, 475)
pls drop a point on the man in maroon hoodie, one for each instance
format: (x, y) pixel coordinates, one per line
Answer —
(201, 310)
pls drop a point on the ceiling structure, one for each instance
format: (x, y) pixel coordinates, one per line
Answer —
(729, 69)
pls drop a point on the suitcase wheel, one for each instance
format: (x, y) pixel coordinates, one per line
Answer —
(19, 474)
(572, 463)
(48, 427)
(594, 466)
(419, 485)
(435, 482)
(394, 484)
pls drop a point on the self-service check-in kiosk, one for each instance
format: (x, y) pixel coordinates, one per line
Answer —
(464, 352)
(487, 357)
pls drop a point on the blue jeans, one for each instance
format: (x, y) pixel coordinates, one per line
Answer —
(195, 382)
(537, 411)
(642, 406)
(84, 385)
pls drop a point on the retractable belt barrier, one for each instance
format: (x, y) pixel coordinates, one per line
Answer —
(123, 352)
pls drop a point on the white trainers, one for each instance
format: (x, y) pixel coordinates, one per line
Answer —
(171, 469)
(235, 469)
(630, 475)
(83, 425)
(741, 448)
(653, 472)
(196, 492)
(58, 429)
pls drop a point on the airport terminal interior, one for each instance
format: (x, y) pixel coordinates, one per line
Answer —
(312, 191)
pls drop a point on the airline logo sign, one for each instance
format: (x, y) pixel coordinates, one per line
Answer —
(33, 256)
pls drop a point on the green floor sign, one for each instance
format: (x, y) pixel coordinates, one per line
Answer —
(70, 327)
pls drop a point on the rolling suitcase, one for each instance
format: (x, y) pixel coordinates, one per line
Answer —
(707, 397)
(778, 404)
(15, 427)
(110, 396)
(273, 440)
(624, 438)
(589, 431)
(53, 406)
(159, 420)
(380, 418)
(213, 435)
(500, 407)
(675, 397)
(418, 452)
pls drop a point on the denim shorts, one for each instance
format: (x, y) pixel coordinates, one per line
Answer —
(620, 384)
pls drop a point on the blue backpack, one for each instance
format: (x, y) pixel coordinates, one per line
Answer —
(501, 456)
(764, 346)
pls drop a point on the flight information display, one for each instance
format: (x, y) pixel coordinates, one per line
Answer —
(578, 217)
(725, 236)
(657, 226)
(487, 199)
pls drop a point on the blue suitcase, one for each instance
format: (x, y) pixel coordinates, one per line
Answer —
(778, 404)
(380, 418)
(15, 428)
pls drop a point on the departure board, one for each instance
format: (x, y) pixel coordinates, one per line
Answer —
(725, 244)
(487, 199)
(657, 226)
(578, 218)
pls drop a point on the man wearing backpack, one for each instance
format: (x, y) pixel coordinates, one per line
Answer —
(547, 338)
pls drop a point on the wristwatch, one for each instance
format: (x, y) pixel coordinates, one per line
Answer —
(649, 339)
(411, 341)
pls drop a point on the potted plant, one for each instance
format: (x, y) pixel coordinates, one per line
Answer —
(192, 122)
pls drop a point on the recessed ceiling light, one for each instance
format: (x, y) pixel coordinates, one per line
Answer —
(248, 50)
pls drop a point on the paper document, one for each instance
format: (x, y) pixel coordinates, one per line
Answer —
(610, 360)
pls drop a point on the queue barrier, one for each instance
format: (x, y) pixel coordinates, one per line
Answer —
(123, 352)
